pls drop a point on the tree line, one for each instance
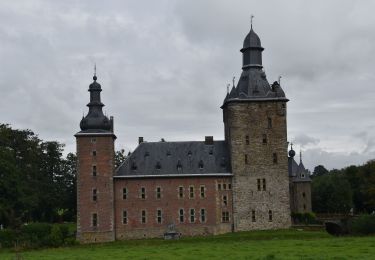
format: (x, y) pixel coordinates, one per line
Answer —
(37, 183)
(351, 189)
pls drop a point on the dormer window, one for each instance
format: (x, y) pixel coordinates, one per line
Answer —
(189, 153)
(210, 152)
(200, 164)
(158, 166)
(302, 175)
(134, 166)
(147, 154)
(179, 166)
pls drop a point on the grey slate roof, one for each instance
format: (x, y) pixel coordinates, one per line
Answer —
(252, 40)
(176, 159)
(298, 172)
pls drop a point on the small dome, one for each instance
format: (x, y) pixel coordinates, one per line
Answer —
(292, 153)
(252, 40)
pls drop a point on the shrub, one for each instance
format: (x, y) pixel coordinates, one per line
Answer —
(7, 238)
(364, 225)
(56, 237)
(35, 234)
(304, 218)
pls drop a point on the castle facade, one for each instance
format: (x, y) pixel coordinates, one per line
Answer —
(244, 182)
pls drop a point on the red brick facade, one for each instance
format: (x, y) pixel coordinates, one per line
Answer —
(199, 193)
(95, 167)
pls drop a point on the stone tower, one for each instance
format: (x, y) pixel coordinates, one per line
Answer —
(95, 168)
(254, 115)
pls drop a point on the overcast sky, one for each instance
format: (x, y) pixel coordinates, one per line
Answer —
(164, 67)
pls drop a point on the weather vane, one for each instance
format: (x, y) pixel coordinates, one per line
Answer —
(280, 79)
(291, 145)
(233, 80)
(251, 20)
(228, 85)
(95, 69)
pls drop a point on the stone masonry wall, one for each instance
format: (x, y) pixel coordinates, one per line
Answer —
(252, 119)
(102, 182)
(301, 197)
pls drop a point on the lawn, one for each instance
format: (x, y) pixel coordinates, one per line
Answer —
(279, 244)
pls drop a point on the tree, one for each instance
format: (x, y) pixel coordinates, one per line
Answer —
(319, 170)
(120, 157)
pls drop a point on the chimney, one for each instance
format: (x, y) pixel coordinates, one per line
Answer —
(111, 121)
(208, 140)
(140, 140)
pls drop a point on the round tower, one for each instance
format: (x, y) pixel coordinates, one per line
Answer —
(95, 168)
(254, 114)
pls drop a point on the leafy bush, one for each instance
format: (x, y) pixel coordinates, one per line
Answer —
(7, 238)
(36, 235)
(364, 225)
(304, 218)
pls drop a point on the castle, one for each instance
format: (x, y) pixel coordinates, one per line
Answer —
(245, 182)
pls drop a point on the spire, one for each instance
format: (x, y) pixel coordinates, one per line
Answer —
(300, 156)
(95, 119)
(252, 50)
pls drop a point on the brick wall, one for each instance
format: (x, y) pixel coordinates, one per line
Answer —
(246, 125)
(170, 203)
(102, 182)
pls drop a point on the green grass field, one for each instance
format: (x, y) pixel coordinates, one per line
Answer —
(280, 244)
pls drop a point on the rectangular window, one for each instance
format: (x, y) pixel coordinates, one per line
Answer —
(253, 216)
(94, 219)
(124, 193)
(181, 215)
(191, 192)
(192, 215)
(124, 217)
(203, 215)
(203, 191)
(143, 193)
(274, 158)
(158, 192)
(270, 215)
(143, 216)
(94, 195)
(224, 186)
(159, 216)
(264, 184)
(219, 186)
(258, 184)
(246, 159)
(229, 186)
(94, 153)
(247, 140)
(225, 200)
(269, 122)
(225, 216)
(180, 192)
(93, 140)
(264, 138)
(94, 170)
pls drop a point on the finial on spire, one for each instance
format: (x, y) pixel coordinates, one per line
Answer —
(233, 80)
(280, 79)
(300, 156)
(291, 146)
(95, 77)
(228, 85)
(251, 21)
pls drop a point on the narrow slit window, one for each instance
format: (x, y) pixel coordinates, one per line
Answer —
(143, 193)
(158, 192)
(203, 191)
(253, 219)
(181, 215)
(124, 217)
(180, 192)
(247, 140)
(159, 216)
(124, 193)
(275, 158)
(94, 170)
(264, 184)
(191, 192)
(94, 195)
(264, 138)
(258, 184)
(269, 120)
(143, 216)
(270, 215)
(94, 219)
(192, 215)
(246, 159)
(203, 215)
